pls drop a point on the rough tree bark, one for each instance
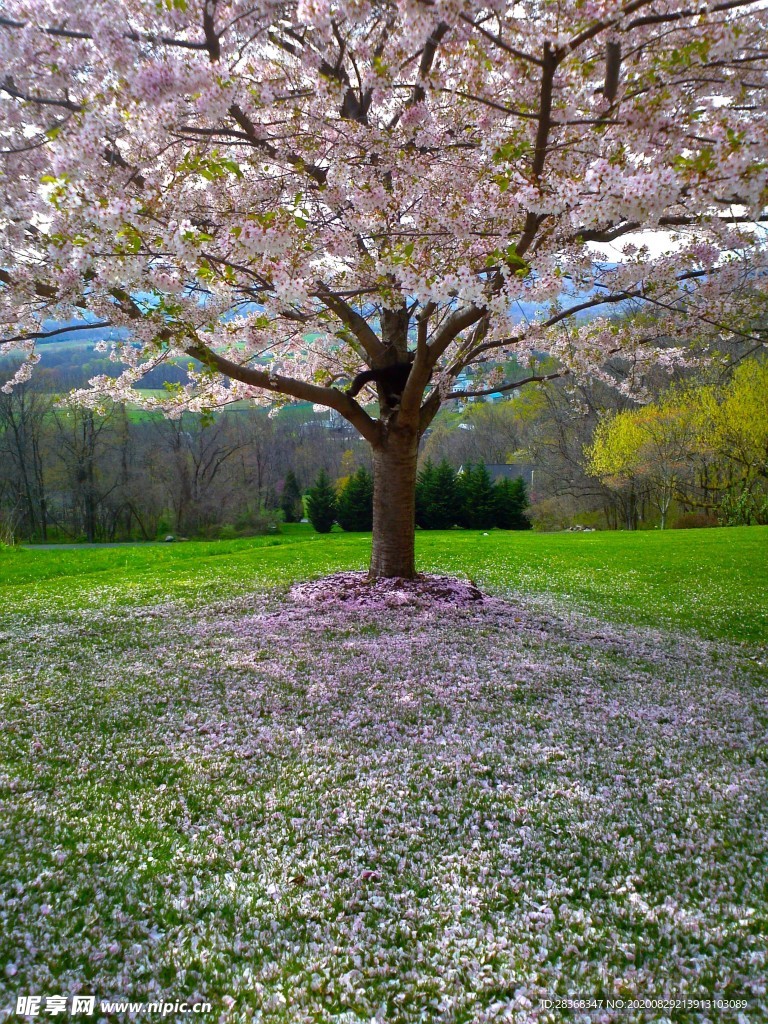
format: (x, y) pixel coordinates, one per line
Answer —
(395, 453)
(394, 505)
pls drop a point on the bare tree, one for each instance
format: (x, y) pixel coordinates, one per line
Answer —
(23, 415)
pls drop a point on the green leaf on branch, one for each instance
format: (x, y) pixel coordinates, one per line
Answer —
(701, 163)
(511, 151)
(510, 257)
(210, 166)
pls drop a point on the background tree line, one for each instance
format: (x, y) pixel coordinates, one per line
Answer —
(444, 498)
(695, 454)
(73, 474)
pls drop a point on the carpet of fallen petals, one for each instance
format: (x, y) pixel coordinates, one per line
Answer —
(353, 590)
(342, 811)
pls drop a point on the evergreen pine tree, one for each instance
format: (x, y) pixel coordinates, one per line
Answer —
(478, 507)
(321, 503)
(354, 506)
(444, 506)
(439, 498)
(425, 492)
(511, 500)
(270, 498)
(290, 500)
(463, 490)
(522, 490)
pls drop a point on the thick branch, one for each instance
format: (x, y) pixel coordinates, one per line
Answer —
(657, 19)
(354, 321)
(9, 87)
(498, 41)
(418, 378)
(114, 157)
(533, 379)
(612, 70)
(278, 384)
(616, 231)
(598, 300)
(427, 59)
(429, 410)
(45, 291)
(136, 37)
(549, 64)
(212, 43)
(472, 354)
(606, 23)
(317, 173)
(423, 325)
(451, 328)
(40, 335)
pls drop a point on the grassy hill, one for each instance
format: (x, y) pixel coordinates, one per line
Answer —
(212, 789)
(714, 581)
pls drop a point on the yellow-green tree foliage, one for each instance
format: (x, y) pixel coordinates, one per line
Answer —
(615, 453)
(657, 445)
(734, 423)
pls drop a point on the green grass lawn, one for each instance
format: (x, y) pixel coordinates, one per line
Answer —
(215, 789)
(712, 581)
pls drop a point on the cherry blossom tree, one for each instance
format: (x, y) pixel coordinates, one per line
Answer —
(290, 193)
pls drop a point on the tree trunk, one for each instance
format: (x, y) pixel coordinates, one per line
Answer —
(394, 506)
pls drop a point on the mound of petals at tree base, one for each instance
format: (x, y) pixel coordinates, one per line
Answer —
(417, 814)
(358, 590)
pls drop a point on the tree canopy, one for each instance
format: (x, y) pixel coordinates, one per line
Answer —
(286, 190)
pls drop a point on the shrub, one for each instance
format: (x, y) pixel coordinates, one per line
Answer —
(163, 527)
(257, 521)
(7, 537)
(550, 514)
(744, 509)
(251, 523)
(693, 520)
(354, 506)
(321, 503)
